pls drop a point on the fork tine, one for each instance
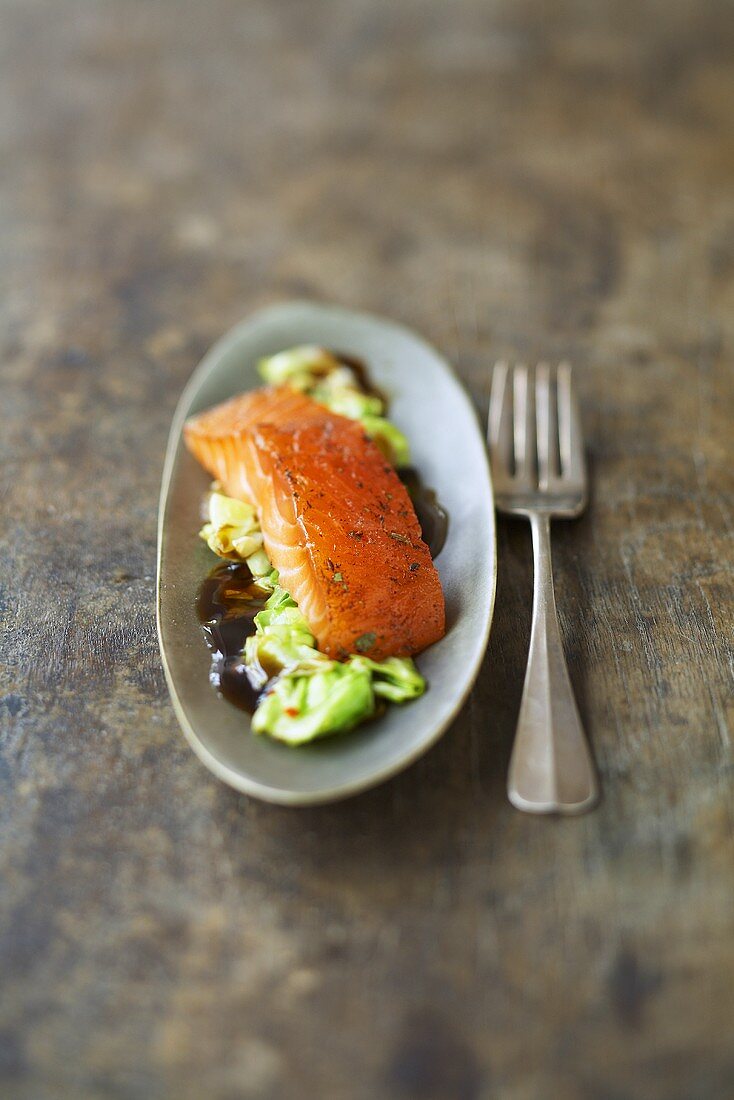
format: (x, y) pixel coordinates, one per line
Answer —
(499, 427)
(524, 425)
(573, 465)
(545, 426)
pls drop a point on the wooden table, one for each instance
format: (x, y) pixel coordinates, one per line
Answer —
(510, 178)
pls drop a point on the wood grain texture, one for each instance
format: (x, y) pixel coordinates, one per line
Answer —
(512, 179)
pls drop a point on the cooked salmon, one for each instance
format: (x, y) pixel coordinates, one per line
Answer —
(337, 522)
(216, 436)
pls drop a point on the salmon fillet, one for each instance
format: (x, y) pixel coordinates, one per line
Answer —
(215, 437)
(337, 522)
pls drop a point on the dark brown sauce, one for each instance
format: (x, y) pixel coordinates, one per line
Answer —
(227, 605)
(432, 517)
(360, 372)
(229, 600)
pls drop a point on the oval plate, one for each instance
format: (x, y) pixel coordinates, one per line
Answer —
(429, 404)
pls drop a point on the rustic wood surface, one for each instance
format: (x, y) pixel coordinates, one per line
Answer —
(510, 178)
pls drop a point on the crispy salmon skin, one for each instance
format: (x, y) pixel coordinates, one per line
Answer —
(337, 522)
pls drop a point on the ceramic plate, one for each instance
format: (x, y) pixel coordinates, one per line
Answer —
(429, 404)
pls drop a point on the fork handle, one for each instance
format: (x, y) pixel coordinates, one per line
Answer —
(551, 770)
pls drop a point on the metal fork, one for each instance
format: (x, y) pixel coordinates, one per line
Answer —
(538, 470)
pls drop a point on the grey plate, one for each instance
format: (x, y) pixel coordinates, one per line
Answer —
(429, 404)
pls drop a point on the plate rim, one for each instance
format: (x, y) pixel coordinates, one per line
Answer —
(236, 779)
